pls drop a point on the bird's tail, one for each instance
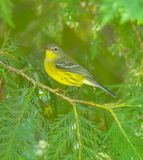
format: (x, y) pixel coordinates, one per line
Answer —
(92, 82)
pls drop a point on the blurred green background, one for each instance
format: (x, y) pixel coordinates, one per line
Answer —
(106, 38)
(72, 25)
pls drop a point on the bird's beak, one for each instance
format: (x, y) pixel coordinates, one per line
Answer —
(46, 48)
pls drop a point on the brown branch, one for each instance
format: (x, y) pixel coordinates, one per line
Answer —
(71, 101)
(35, 83)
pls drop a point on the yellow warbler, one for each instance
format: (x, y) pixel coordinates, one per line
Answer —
(65, 70)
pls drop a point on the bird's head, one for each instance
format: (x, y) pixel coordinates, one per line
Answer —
(52, 52)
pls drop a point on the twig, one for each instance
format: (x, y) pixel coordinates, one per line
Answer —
(78, 130)
(123, 132)
(71, 101)
(35, 83)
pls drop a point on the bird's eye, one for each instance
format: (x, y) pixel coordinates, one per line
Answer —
(55, 49)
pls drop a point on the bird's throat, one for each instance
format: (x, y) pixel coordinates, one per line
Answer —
(50, 56)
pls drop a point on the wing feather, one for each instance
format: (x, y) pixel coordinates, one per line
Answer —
(71, 66)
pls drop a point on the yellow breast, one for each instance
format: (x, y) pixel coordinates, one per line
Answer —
(50, 55)
(62, 76)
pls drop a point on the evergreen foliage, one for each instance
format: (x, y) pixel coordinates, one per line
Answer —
(37, 120)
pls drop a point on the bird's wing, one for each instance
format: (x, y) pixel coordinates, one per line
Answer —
(71, 66)
(68, 64)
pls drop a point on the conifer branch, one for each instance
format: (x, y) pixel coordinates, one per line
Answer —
(78, 130)
(123, 132)
(71, 101)
(35, 83)
(17, 124)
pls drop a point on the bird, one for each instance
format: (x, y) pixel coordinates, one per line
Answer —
(67, 71)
